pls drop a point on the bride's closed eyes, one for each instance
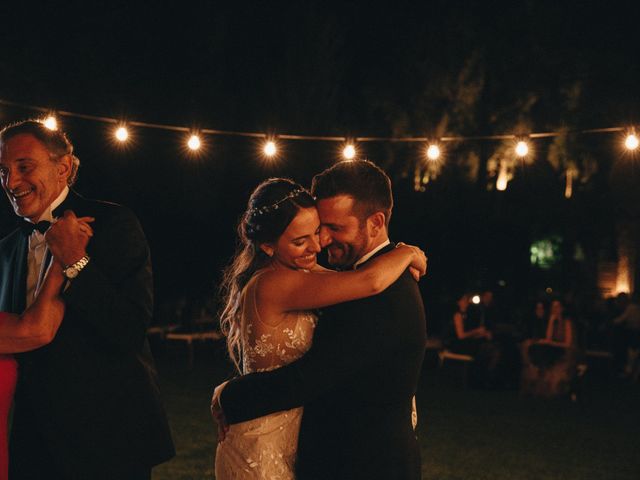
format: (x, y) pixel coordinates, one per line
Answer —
(298, 242)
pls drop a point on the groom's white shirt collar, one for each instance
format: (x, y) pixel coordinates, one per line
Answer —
(371, 253)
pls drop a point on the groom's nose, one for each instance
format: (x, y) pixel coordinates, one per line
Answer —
(325, 237)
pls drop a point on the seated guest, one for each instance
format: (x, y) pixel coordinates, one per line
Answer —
(549, 364)
(536, 326)
(469, 337)
(627, 326)
(469, 333)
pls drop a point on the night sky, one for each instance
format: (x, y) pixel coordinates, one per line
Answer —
(346, 69)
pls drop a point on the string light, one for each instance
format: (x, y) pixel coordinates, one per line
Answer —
(312, 137)
(433, 152)
(51, 123)
(122, 134)
(194, 143)
(522, 148)
(349, 152)
(631, 142)
(475, 299)
(270, 148)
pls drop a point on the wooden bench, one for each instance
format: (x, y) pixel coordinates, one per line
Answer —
(464, 360)
(434, 343)
(458, 357)
(599, 354)
(162, 330)
(190, 337)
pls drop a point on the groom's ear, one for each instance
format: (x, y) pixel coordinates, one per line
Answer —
(267, 248)
(375, 223)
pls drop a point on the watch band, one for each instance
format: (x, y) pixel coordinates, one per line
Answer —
(72, 271)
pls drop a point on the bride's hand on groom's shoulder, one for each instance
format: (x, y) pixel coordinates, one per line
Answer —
(418, 267)
(217, 412)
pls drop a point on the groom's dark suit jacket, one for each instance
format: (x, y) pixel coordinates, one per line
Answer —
(88, 404)
(356, 384)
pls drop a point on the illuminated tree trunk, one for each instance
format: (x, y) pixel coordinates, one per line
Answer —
(627, 256)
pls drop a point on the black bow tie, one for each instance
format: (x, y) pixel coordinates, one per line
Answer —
(28, 227)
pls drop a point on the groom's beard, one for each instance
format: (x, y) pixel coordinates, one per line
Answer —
(344, 255)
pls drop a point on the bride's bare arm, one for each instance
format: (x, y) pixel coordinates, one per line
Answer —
(39, 323)
(297, 290)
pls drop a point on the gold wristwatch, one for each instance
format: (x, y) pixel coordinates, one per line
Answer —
(72, 271)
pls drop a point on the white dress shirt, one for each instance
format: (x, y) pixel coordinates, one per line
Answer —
(371, 254)
(38, 250)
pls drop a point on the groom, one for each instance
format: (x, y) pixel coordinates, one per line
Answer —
(87, 405)
(357, 382)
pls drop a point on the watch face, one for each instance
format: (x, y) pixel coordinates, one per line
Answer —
(71, 272)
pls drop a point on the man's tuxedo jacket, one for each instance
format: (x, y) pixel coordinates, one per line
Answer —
(88, 403)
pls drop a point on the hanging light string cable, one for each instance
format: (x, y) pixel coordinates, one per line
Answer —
(210, 131)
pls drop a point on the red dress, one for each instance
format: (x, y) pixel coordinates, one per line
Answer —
(8, 377)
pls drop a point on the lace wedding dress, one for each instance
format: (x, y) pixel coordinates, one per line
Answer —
(265, 447)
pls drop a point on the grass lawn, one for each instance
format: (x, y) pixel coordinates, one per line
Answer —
(464, 434)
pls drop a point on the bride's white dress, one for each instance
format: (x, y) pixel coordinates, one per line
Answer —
(265, 448)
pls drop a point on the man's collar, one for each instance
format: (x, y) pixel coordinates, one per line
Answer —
(48, 215)
(367, 256)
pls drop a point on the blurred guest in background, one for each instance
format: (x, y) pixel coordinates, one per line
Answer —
(550, 363)
(627, 332)
(469, 337)
(536, 325)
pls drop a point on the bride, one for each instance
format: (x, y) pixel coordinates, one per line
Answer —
(271, 290)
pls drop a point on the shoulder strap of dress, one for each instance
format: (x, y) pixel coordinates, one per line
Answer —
(253, 285)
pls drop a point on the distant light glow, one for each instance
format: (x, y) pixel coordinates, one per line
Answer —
(349, 152)
(522, 149)
(546, 252)
(623, 275)
(475, 299)
(433, 152)
(568, 189)
(194, 142)
(122, 134)
(51, 123)
(270, 148)
(631, 142)
(503, 179)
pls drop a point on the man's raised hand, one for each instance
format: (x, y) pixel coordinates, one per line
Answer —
(68, 237)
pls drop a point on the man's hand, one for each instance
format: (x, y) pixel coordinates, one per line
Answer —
(217, 413)
(68, 237)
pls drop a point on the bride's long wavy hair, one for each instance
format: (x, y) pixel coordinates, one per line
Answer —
(271, 208)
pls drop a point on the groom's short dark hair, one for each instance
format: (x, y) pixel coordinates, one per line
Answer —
(367, 183)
